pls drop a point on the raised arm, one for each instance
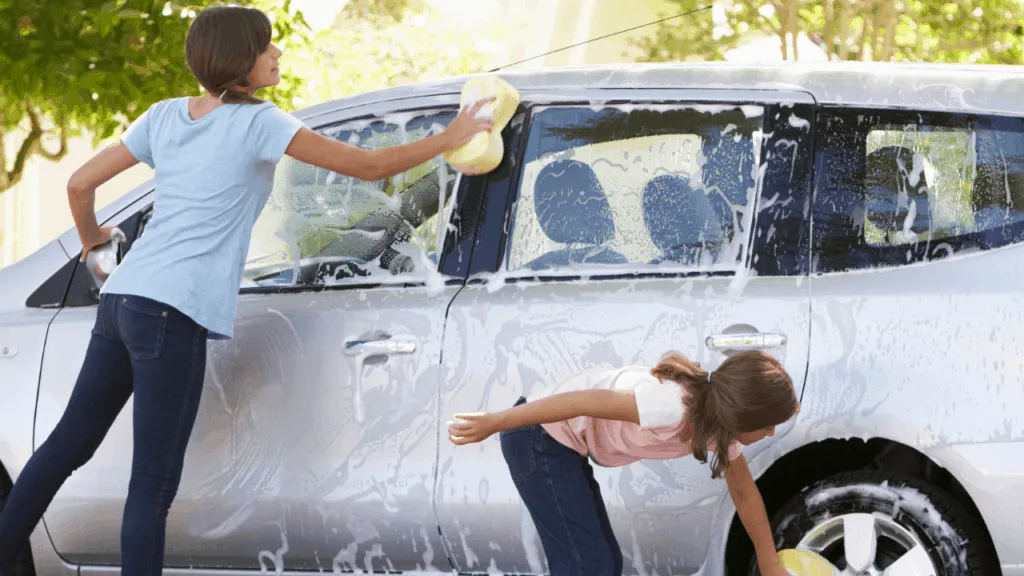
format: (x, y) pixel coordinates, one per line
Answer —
(312, 148)
(604, 404)
(753, 515)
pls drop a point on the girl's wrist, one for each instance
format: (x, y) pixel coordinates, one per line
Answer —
(765, 562)
(445, 140)
(501, 421)
(90, 240)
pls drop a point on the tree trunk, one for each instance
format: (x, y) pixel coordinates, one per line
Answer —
(890, 20)
(867, 37)
(792, 24)
(844, 31)
(829, 33)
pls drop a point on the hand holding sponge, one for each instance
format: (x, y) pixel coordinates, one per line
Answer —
(484, 151)
(806, 563)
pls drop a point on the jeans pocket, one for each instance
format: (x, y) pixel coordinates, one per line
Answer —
(142, 328)
(517, 446)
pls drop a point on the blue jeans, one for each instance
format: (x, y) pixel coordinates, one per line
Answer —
(139, 347)
(558, 487)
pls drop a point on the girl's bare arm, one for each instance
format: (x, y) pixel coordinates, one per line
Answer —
(750, 508)
(312, 148)
(604, 404)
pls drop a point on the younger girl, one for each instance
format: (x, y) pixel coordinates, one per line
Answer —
(617, 417)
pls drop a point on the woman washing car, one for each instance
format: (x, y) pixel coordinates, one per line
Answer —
(214, 157)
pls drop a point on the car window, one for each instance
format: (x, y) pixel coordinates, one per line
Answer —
(899, 188)
(73, 286)
(657, 186)
(323, 228)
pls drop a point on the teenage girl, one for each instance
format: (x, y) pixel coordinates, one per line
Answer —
(617, 417)
(214, 157)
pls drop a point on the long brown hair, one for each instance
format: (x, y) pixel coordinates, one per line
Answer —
(222, 47)
(750, 391)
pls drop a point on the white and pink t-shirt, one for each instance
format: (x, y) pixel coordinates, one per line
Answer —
(613, 443)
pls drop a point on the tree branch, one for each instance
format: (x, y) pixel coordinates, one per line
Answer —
(13, 176)
(62, 127)
(753, 9)
(829, 31)
(964, 45)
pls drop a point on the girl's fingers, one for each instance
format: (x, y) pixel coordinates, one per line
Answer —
(461, 440)
(480, 104)
(469, 417)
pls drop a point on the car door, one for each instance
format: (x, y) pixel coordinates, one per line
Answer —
(676, 222)
(918, 264)
(316, 439)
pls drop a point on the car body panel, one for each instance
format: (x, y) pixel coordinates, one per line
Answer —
(880, 363)
(892, 348)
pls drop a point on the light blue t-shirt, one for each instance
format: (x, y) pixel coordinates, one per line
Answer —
(213, 177)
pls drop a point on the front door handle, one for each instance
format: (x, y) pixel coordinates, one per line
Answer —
(385, 346)
(749, 341)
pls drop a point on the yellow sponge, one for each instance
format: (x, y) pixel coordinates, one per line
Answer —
(806, 563)
(484, 151)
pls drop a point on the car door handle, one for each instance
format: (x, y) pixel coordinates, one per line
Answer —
(749, 341)
(384, 346)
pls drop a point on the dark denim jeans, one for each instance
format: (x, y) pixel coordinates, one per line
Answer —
(558, 487)
(139, 347)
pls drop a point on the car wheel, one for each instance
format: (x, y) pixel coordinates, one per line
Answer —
(873, 523)
(24, 566)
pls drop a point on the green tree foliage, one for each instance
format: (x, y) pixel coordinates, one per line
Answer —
(96, 65)
(975, 31)
(374, 44)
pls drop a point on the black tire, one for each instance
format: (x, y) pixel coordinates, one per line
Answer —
(955, 542)
(24, 566)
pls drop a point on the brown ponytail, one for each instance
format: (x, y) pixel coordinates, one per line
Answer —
(222, 47)
(750, 391)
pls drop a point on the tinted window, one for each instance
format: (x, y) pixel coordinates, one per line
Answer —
(322, 228)
(74, 283)
(897, 188)
(657, 185)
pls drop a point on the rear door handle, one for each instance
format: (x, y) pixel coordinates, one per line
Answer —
(749, 341)
(385, 346)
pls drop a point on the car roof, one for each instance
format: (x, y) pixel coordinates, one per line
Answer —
(964, 88)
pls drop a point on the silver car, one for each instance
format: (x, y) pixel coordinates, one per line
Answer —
(862, 223)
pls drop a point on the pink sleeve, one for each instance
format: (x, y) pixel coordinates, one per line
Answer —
(735, 450)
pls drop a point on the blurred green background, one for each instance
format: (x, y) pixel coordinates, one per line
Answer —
(74, 73)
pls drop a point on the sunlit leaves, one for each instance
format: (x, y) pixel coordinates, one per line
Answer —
(99, 64)
(976, 31)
